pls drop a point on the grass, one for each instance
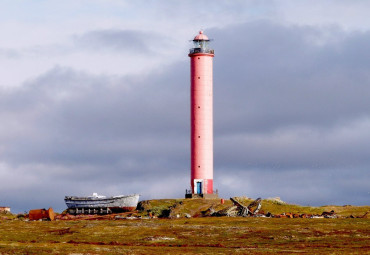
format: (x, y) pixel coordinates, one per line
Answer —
(206, 235)
(202, 235)
(197, 207)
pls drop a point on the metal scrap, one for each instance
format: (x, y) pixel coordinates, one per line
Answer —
(244, 211)
(41, 214)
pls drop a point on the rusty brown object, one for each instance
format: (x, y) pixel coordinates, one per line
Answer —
(41, 214)
(280, 216)
(289, 215)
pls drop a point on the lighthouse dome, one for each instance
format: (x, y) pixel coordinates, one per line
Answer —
(201, 37)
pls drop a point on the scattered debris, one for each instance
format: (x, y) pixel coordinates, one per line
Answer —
(330, 215)
(176, 209)
(241, 210)
(254, 210)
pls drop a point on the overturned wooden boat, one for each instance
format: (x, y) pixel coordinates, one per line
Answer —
(97, 204)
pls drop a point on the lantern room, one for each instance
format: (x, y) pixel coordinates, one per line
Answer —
(201, 44)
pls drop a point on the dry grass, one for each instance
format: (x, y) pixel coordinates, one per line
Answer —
(202, 235)
(207, 235)
(196, 207)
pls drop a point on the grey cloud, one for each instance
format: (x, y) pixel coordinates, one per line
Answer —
(280, 78)
(338, 186)
(118, 40)
(34, 51)
(80, 130)
(110, 40)
(299, 147)
(287, 102)
(68, 104)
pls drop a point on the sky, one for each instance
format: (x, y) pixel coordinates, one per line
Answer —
(95, 97)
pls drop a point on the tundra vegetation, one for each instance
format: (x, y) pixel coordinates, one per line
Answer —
(174, 233)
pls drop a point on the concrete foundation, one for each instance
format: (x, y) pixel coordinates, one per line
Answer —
(203, 196)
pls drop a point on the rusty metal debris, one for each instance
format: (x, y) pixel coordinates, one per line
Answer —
(41, 214)
(241, 210)
(330, 215)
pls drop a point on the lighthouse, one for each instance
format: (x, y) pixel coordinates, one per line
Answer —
(201, 108)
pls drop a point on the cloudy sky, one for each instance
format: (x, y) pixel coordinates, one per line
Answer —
(95, 97)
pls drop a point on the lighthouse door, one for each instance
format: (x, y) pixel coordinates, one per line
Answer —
(199, 187)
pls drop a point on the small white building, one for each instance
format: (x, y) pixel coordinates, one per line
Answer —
(4, 209)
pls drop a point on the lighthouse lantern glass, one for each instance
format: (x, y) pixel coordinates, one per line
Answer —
(201, 44)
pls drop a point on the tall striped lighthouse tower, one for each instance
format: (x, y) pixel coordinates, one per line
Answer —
(201, 77)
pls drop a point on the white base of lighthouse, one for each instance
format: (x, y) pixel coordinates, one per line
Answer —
(198, 190)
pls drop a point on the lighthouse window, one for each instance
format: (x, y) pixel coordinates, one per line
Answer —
(198, 136)
(198, 107)
(198, 166)
(198, 57)
(198, 77)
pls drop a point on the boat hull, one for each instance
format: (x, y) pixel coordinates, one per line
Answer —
(116, 203)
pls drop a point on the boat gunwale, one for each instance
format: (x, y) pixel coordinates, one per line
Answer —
(75, 198)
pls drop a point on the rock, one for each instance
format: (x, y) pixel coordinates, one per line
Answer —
(276, 200)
